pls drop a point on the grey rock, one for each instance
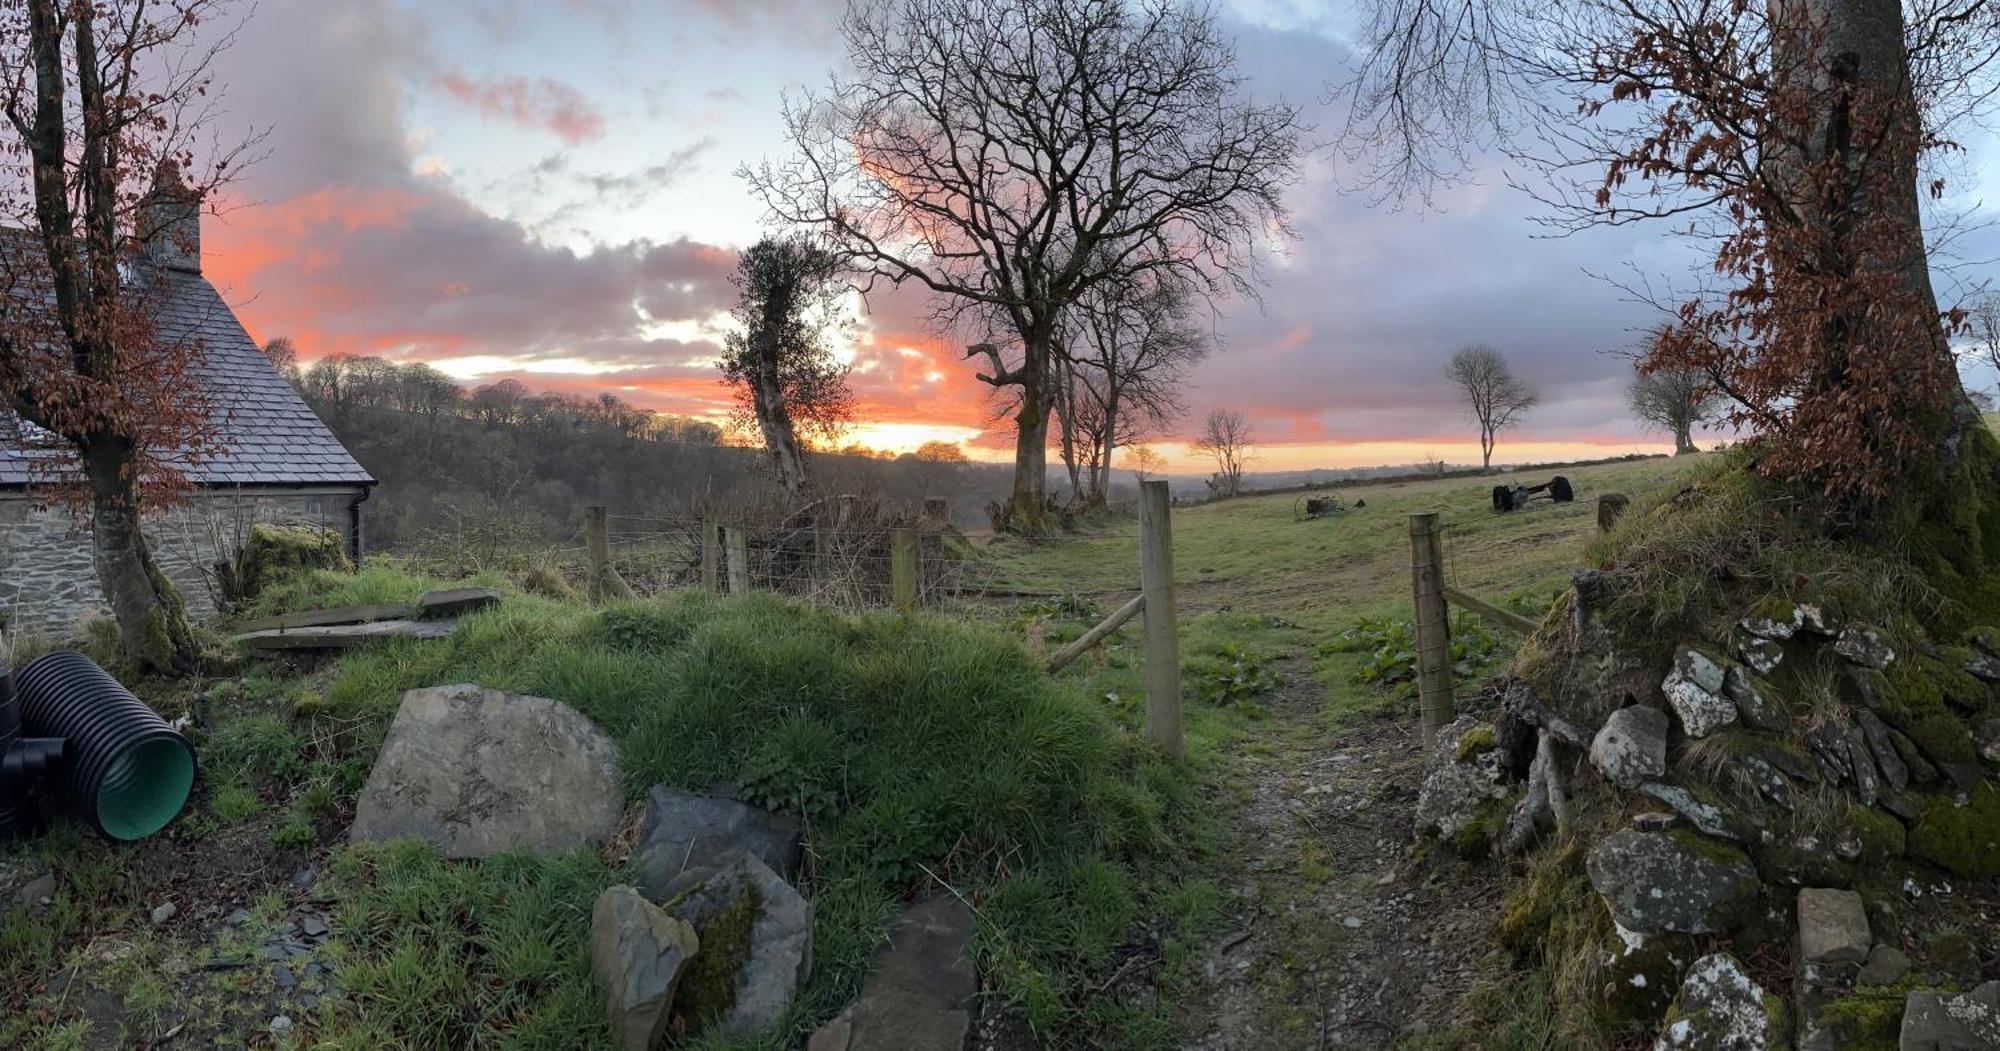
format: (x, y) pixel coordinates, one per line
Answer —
(1655, 820)
(312, 926)
(1782, 624)
(1861, 761)
(283, 977)
(1631, 748)
(1814, 621)
(1454, 790)
(164, 911)
(1894, 771)
(920, 987)
(1653, 884)
(1755, 701)
(1886, 966)
(1769, 781)
(1705, 817)
(1943, 1022)
(36, 894)
(684, 832)
(1986, 737)
(1833, 926)
(775, 955)
(1921, 770)
(475, 772)
(1762, 655)
(281, 1027)
(1719, 1009)
(1985, 667)
(637, 955)
(1865, 647)
(1695, 690)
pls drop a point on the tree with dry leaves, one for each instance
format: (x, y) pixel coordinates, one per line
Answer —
(1788, 134)
(1226, 438)
(106, 103)
(1496, 398)
(781, 361)
(1009, 156)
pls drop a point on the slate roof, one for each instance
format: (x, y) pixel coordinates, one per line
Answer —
(267, 434)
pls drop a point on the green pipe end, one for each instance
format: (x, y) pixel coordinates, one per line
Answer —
(144, 789)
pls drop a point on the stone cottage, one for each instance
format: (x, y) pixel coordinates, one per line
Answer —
(279, 462)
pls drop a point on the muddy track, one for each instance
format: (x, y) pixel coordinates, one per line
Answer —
(1335, 939)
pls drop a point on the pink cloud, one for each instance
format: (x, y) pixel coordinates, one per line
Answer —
(550, 105)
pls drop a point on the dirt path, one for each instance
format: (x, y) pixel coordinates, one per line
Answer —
(1336, 938)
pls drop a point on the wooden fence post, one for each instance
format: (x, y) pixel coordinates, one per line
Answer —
(737, 540)
(1163, 643)
(903, 567)
(1433, 629)
(711, 555)
(605, 583)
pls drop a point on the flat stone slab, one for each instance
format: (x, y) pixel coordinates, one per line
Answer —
(1654, 884)
(476, 772)
(451, 602)
(1833, 926)
(1942, 1022)
(637, 956)
(344, 636)
(442, 603)
(919, 990)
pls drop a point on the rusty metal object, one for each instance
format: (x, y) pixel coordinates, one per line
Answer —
(1515, 497)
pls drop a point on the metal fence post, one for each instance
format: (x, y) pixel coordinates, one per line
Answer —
(1433, 630)
(1163, 644)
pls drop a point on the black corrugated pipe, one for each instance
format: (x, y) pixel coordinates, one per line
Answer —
(25, 765)
(129, 773)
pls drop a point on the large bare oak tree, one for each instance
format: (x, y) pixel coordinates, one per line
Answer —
(1012, 155)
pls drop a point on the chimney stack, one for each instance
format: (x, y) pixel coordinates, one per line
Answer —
(170, 221)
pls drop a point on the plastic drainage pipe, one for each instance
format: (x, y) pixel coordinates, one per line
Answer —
(25, 763)
(129, 773)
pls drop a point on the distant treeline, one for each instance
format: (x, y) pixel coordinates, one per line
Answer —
(502, 461)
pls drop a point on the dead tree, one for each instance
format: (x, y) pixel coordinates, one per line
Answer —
(1225, 438)
(1010, 156)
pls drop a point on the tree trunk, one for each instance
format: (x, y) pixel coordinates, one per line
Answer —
(153, 631)
(1066, 396)
(781, 441)
(1683, 439)
(1028, 504)
(1866, 225)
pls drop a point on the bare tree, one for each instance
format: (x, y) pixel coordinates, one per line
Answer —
(1982, 320)
(105, 103)
(1496, 398)
(1129, 359)
(1145, 462)
(1787, 134)
(1012, 155)
(1674, 400)
(1225, 437)
(784, 372)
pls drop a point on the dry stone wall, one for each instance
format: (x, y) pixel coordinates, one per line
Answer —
(48, 583)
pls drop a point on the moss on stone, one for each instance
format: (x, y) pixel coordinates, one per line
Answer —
(1963, 840)
(1882, 836)
(1960, 688)
(1864, 1022)
(1475, 840)
(275, 552)
(708, 987)
(1911, 697)
(1711, 850)
(1804, 861)
(1555, 881)
(1775, 609)
(1640, 983)
(1474, 743)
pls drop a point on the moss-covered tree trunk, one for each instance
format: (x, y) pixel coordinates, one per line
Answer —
(153, 630)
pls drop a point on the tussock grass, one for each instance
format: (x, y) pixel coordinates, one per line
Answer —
(918, 752)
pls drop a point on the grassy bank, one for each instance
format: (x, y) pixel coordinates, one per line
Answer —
(922, 755)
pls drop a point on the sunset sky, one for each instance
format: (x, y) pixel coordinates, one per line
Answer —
(546, 190)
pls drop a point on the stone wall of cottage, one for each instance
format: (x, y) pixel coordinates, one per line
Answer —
(47, 581)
